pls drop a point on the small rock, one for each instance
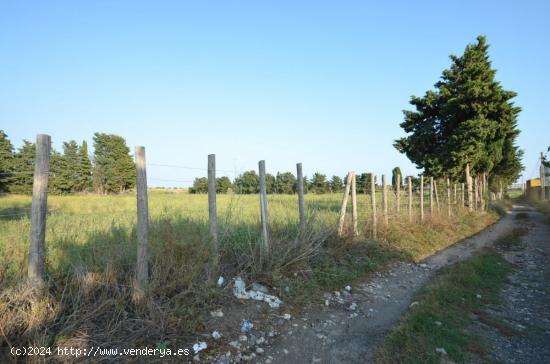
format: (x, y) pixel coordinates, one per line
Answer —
(478, 296)
(353, 306)
(285, 351)
(199, 346)
(259, 351)
(413, 304)
(327, 302)
(217, 313)
(287, 316)
(438, 323)
(243, 338)
(221, 280)
(260, 341)
(259, 287)
(196, 358)
(441, 351)
(268, 361)
(246, 326)
(216, 335)
(235, 344)
(348, 288)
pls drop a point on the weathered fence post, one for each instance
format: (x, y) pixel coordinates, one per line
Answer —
(409, 185)
(385, 199)
(482, 192)
(436, 196)
(344, 204)
(39, 209)
(431, 195)
(142, 267)
(264, 247)
(455, 201)
(470, 192)
(476, 191)
(212, 211)
(398, 190)
(462, 199)
(373, 204)
(542, 178)
(422, 198)
(354, 205)
(448, 197)
(301, 203)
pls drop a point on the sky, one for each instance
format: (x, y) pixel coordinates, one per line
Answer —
(323, 83)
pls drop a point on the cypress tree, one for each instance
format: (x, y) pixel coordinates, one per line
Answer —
(114, 169)
(6, 161)
(84, 182)
(469, 119)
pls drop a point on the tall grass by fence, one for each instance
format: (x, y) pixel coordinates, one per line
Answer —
(365, 210)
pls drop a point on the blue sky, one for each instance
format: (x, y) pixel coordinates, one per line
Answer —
(317, 82)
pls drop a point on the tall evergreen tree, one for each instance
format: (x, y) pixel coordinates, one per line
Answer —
(114, 169)
(468, 120)
(23, 169)
(319, 183)
(84, 182)
(6, 161)
(285, 183)
(394, 173)
(336, 184)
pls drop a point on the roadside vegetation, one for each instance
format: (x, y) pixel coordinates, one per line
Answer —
(91, 254)
(436, 327)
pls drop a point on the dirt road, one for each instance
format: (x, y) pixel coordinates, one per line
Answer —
(350, 325)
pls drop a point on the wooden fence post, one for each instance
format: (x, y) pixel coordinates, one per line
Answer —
(301, 202)
(398, 190)
(264, 247)
(448, 197)
(422, 198)
(542, 178)
(462, 199)
(373, 204)
(142, 267)
(482, 192)
(39, 209)
(409, 186)
(354, 205)
(212, 210)
(455, 201)
(385, 199)
(431, 195)
(469, 185)
(436, 196)
(344, 204)
(475, 193)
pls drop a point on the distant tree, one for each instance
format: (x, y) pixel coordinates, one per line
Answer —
(23, 169)
(394, 173)
(319, 184)
(247, 183)
(6, 161)
(84, 171)
(363, 183)
(200, 185)
(65, 169)
(114, 169)
(223, 184)
(306, 185)
(336, 184)
(270, 183)
(285, 183)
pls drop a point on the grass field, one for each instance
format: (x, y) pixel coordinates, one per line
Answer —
(91, 251)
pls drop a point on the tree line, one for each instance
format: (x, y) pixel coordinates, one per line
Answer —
(109, 170)
(287, 183)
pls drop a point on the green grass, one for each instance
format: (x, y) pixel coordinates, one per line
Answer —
(91, 253)
(450, 299)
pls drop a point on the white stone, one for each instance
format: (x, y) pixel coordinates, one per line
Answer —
(200, 346)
